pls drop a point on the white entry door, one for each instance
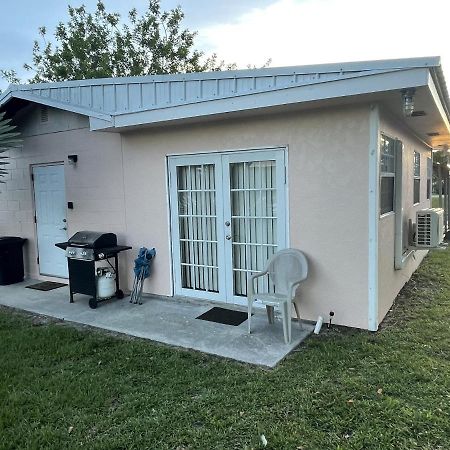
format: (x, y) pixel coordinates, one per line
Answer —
(51, 218)
(228, 216)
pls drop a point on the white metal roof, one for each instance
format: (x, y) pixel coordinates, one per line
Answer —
(130, 101)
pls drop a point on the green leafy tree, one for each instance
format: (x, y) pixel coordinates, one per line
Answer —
(100, 44)
(8, 139)
(10, 76)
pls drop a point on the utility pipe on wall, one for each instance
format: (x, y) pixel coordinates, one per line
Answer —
(440, 185)
(446, 195)
(448, 201)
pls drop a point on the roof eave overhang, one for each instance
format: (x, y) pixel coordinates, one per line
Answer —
(10, 94)
(287, 96)
(6, 96)
(440, 101)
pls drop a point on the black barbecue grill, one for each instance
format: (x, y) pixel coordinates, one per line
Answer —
(83, 249)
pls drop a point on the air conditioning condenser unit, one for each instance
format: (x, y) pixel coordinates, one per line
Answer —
(429, 228)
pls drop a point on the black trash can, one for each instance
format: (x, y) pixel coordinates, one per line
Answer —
(11, 259)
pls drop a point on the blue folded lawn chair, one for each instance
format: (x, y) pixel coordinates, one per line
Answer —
(141, 272)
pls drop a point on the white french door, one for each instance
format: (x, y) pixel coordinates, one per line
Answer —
(228, 216)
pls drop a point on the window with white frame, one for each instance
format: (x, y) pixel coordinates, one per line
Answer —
(429, 177)
(416, 177)
(387, 174)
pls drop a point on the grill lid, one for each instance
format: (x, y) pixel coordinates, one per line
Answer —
(93, 239)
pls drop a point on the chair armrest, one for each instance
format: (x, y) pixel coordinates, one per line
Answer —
(293, 288)
(250, 283)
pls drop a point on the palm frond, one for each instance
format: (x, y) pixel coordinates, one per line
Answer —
(8, 139)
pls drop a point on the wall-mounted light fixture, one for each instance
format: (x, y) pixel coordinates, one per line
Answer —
(73, 159)
(408, 101)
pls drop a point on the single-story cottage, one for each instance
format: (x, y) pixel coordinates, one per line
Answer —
(219, 170)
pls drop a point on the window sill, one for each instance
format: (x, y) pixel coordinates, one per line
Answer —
(388, 214)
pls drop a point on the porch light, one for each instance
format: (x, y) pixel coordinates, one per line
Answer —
(408, 102)
(72, 159)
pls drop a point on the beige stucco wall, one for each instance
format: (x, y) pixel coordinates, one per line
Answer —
(120, 184)
(95, 185)
(327, 169)
(390, 281)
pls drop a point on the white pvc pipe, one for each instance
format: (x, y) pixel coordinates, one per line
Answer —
(319, 324)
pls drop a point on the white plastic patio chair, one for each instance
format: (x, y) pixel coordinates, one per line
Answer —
(286, 269)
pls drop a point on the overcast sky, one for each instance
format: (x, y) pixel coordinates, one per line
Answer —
(290, 32)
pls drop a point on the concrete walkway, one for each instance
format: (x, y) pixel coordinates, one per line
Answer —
(169, 321)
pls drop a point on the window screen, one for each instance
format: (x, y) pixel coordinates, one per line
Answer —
(387, 174)
(416, 177)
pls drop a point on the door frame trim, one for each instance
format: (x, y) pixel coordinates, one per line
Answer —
(33, 202)
(173, 259)
(229, 150)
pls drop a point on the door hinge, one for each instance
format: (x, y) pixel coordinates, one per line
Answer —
(35, 219)
(37, 259)
(32, 176)
(285, 175)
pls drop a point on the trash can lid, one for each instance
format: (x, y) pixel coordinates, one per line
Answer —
(8, 240)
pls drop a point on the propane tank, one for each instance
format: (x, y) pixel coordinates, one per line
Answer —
(106, 282)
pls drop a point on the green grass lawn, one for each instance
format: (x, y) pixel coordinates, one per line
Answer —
(435, 202)
(66, 388)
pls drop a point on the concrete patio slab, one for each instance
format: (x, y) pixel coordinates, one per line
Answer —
(168, 321)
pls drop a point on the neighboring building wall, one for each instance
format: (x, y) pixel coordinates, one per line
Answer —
(94, 185)
(390, 281)
(328, 192)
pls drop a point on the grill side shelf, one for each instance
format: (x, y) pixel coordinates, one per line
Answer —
(116, 249)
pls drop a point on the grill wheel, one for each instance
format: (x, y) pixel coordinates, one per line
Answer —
(93, 303)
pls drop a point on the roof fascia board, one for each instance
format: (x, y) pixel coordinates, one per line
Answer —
(357, 66)
(437, 100)
(5, 97)
(339, 88)
(61, 105)
(437, 75)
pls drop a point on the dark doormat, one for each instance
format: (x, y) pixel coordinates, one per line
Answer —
(46, 286)
(223, 315)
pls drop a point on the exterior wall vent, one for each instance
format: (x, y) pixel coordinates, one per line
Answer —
(44, 113)
(429, 227)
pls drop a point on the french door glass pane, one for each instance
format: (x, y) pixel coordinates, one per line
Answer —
(196, 193)
(254, 220)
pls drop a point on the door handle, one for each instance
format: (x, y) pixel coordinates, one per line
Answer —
(228, 237)
(63, 228)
